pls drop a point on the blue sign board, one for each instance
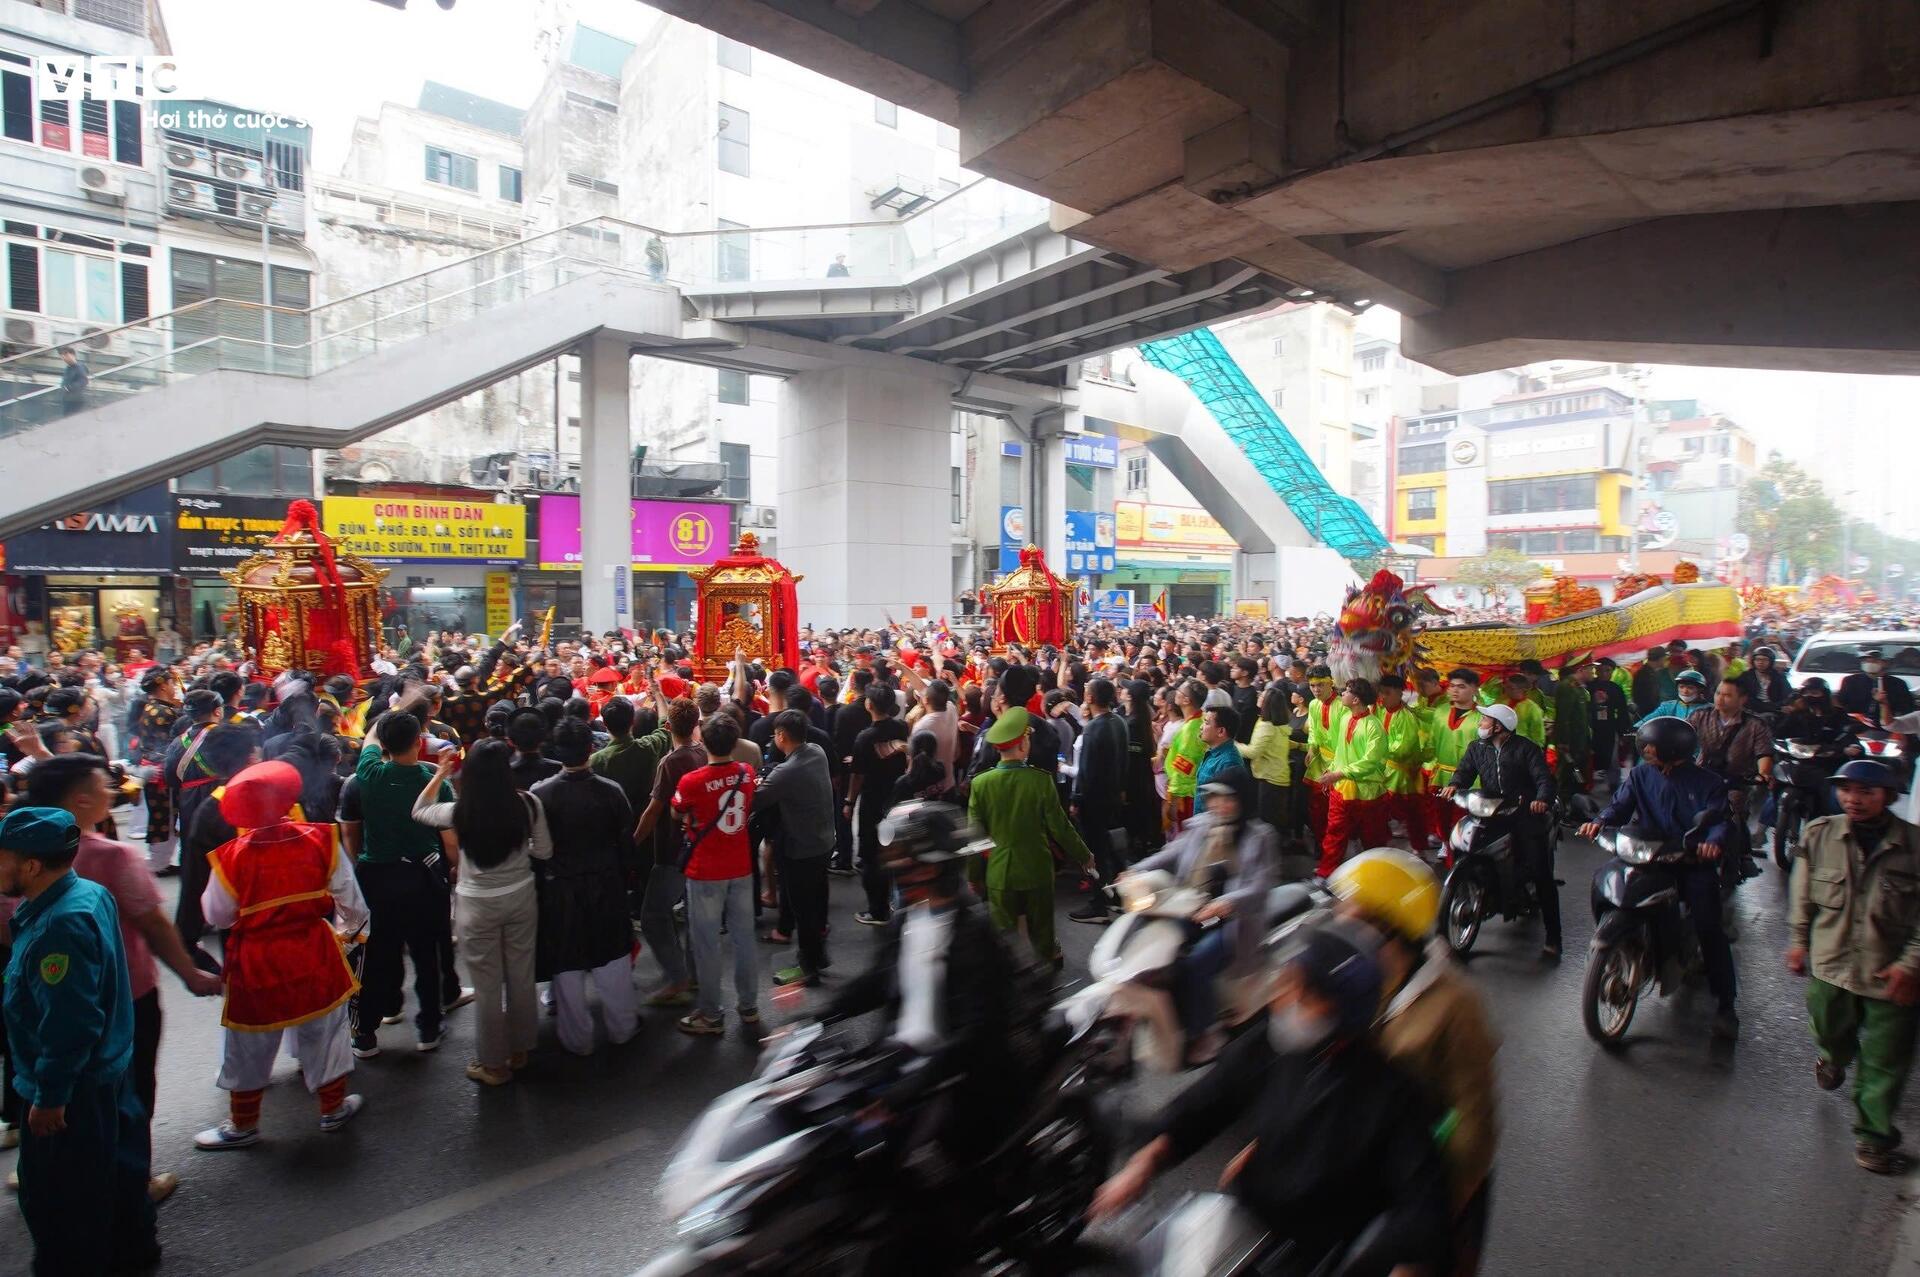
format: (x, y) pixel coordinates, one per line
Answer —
(1090, 541)
(1013, 536)
(1114, 607)
(132, 534)
(1012, 448)
(1102, 451)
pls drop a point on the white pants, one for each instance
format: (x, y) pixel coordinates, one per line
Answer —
(321, 1046)
(614, 983)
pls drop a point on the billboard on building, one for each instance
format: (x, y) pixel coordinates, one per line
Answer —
(668, 536)
(1091, 536)
(1147, 526)
(214, 533)
(412, 529)
(133, 534)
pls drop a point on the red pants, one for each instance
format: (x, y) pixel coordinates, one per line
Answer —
(1444, 816)
(1415, 812)
(1316, 810)
(1349, 816)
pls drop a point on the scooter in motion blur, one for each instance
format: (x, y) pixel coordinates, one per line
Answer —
(1637, 911)
(794, 1173)
(1133, 965)
(1802, 768)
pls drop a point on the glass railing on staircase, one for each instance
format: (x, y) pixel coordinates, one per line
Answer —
(222, 333)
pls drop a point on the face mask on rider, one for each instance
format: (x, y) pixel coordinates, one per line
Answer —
(1295, 1032)
(1486, 729)
(1871, 667)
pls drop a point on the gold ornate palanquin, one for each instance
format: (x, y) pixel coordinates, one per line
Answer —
(1030, 605)
(746, 603)
(305, 604)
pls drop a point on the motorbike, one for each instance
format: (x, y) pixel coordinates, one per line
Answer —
(1637, 908)
(794, 1173)
(1801, 770)
(1134, 962)
(1485, 882)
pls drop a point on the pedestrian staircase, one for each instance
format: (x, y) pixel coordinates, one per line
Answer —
(1216, 379)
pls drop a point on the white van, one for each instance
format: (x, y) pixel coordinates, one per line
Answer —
(1834, 654)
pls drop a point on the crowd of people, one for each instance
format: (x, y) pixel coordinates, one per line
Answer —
(516, 819)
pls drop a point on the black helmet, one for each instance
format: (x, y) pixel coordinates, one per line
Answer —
(1767, 652)
(1815, 684)
(1868, 771)
(1673, 739)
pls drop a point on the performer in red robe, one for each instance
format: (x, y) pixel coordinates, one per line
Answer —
(275, 887)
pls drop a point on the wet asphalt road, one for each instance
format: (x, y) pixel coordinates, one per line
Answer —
(1673, 1155)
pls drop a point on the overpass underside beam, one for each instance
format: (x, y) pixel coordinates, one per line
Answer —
(1820, 288)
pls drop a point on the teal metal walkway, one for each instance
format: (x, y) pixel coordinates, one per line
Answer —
(1199, 359)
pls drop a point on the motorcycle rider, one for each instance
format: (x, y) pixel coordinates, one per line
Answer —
(1229, 844)
(1765, 683)
(1856, 933)
(1861, 693)
(1665, 798)
(1689, 694)
(1737, 747)
(1814, 714)
(1434, 1026)
(941, 979)
(1508, 765)
(1342, 1140)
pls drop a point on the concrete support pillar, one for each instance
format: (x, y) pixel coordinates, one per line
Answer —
(606, 488)
(864, 494)
(1047, 525)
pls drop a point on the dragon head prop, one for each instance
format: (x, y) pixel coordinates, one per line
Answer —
(1376, 629)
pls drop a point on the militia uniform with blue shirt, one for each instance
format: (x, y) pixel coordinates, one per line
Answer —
(69, 1018)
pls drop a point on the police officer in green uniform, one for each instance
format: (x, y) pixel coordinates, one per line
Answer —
(69, 1016)
(1019, 807)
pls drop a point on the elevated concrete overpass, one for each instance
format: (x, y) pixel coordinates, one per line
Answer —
(1679, 181)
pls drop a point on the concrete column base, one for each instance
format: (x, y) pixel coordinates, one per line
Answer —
(606, 488)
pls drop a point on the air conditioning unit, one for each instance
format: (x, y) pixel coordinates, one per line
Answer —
(769, 517)
(257, 207)
(183, 157)
(185, 194)
(243, 169)
(97, 339)
(27, 334)
(100, 183)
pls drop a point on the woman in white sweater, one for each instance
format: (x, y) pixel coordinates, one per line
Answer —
(496, 910)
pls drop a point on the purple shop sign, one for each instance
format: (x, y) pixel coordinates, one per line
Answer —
(668, 536)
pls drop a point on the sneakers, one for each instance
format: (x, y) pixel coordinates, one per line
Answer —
(749, 1015)
(330, 1122)
(460, 999)
(161, 1186)
(366, 1047)
(431, 1041)
(866, 919)
(1881, 1161)
(1726, 1025)
(843, 871)
(1550, 952)
(1094, 911)
(670, 997)
(1828, 1076)
(225, 1136)
(700, 1026)
(486, 1076)
(395, 1018)
(794, 975)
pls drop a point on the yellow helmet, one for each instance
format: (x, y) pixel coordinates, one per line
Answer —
(1394, 888)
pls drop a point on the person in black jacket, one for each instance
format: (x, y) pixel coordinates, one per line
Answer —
(941, 980)
(1099, 782)
(1865, 692)
(585, 932)
(1508, 765)
(1765, 683)
(1342, 1144)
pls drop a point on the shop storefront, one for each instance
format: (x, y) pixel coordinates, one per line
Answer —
(668, 538)
(100, 578)
(442, 551)
(212, 533)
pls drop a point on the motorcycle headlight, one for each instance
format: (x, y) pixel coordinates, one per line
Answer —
(1802, 748)
(1635, 851)
(1482, 804)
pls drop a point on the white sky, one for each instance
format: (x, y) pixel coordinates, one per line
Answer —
(1856, 432)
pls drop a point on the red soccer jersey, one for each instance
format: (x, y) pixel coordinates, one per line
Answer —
(715, 802)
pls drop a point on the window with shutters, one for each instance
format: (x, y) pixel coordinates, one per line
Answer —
(16, 97)
(288, 163)
(89, 127)
(450, 168)
(509, 183)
